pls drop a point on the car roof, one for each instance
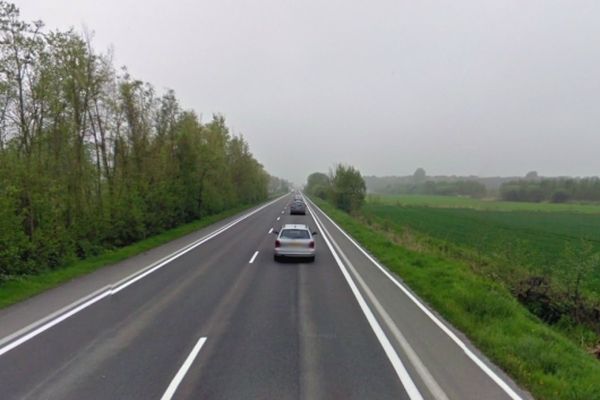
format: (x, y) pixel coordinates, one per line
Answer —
(294, 226)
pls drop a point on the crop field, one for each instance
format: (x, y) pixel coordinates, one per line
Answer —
(537, 239)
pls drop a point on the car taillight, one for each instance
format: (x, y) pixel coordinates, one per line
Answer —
(311, 244)
(277, 243)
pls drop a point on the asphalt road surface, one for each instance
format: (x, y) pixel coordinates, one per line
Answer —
(213, 316)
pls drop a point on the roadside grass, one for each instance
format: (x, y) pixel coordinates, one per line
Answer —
(482, 204)
(20, 288)
(538, 357)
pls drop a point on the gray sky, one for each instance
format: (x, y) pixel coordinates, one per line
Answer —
(456, 87)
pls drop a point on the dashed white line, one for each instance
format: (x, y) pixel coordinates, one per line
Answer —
(253, 257)
(278, 218)
(270, 231)
(183, 370)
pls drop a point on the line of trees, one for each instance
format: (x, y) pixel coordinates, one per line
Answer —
(344, 187)
(557, 190)
(91, 158)
(278, 185)
(420, 183)
(454, 188)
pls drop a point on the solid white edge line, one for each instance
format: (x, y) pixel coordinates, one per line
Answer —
(400, 369)
(254, 257)
(434, 388)
(30, 331)
(480, 363)
(183, 370)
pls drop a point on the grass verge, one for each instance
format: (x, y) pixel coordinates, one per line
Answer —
(21, 288)
(539, 358)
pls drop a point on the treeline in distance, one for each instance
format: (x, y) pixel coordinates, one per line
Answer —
(556, 190)
(91, 158)
(420, 183)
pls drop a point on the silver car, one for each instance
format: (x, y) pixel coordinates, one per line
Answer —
(294, 241)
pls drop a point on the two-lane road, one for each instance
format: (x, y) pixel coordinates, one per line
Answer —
(222, 320)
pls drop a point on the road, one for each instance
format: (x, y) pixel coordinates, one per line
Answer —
(221, 319)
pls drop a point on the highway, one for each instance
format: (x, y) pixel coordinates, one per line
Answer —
(213, 316)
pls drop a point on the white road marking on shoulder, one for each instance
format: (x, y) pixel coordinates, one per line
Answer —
(403, 375)
(480, 363)
(253, 257)
(434, 388)
(183, 370)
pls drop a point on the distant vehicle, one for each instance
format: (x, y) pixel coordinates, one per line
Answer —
(297, 197)
(294, 241)
(298, 207)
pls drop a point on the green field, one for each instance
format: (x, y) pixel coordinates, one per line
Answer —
(535, 240)
(531, 236)
(481, 204)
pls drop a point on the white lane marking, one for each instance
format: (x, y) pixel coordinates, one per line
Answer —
(403, 375)
(283, 212)
(183, 370)
(24, 334)
(278, 218)
(254, 257)
(434, 388)
(487, 370)
(270, 231)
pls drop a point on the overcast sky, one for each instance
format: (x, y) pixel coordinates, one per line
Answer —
(456, 87)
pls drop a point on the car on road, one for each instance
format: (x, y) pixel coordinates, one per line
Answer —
(294, 241)
(298, 207)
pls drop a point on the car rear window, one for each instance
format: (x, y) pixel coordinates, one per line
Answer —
(295, 234)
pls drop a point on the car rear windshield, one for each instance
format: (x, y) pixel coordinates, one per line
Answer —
(295, 234)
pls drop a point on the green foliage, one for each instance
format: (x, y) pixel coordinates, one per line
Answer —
(557, 190)
(14, 245)
(348, 188)
(546, 363)
(278, 186)
(438, 188)
(318, 184)
(420, 176)
(18, 288)
(92, 159)
(344, 187)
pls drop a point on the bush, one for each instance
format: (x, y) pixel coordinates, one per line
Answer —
(348, 189)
